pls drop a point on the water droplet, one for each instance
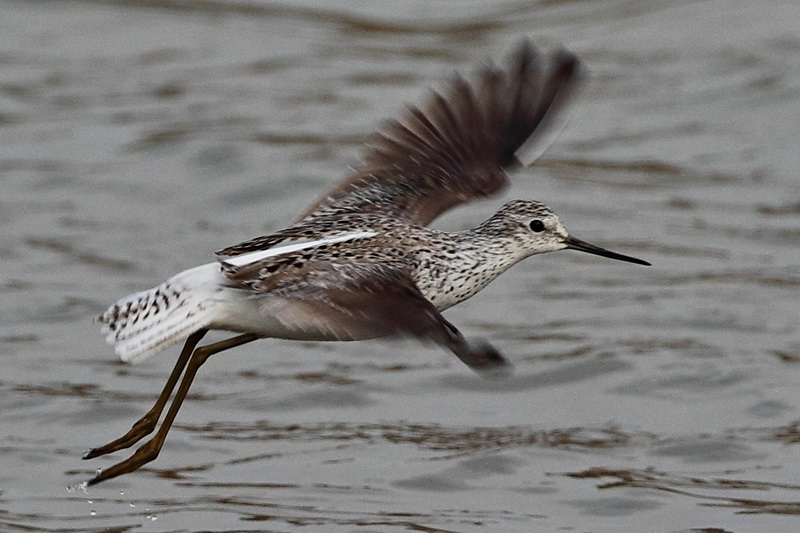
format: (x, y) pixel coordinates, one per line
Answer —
(80, 486)
(150, 516)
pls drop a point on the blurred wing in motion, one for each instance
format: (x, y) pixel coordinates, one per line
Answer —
(458, 145)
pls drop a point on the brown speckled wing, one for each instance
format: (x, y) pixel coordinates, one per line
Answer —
(358, 300)
(305, 230)
(457, 146)
(354, 302)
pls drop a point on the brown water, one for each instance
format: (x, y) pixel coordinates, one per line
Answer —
(136, 140)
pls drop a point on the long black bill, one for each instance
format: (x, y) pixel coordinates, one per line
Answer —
(577, 244)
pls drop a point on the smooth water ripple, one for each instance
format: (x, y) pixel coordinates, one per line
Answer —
(136, 139)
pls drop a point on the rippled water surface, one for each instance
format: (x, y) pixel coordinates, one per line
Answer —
(137, 139)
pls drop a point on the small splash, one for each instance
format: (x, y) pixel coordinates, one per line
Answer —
(79, 487)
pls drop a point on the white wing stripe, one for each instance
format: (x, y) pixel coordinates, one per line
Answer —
(253, 257)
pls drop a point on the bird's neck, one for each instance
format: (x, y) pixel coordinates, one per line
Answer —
(462, 265)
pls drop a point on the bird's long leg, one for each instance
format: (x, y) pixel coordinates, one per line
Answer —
(150, 449)
(145, 425)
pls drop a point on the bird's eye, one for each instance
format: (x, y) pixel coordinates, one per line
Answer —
(537, 226)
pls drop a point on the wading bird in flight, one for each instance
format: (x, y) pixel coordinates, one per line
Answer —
(361, 262)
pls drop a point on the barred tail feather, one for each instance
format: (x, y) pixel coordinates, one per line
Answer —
(144, 323)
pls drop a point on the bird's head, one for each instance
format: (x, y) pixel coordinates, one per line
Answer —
(536, 229)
